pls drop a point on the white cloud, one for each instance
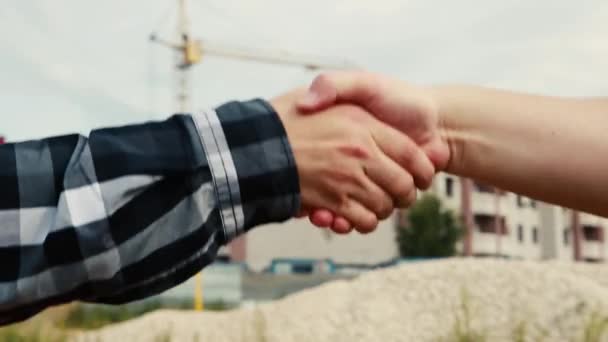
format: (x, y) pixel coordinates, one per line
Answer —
(87, 64)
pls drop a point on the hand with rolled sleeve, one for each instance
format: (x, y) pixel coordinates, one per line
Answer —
(129, 212)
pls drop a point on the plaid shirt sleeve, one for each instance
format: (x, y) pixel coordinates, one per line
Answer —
(132, 211)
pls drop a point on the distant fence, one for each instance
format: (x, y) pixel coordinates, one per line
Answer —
(228, 285)
(232, 283)
(220, 283)
(264, 286)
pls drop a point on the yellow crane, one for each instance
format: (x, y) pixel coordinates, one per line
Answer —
(190, 51)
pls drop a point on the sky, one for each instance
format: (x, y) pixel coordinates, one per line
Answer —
(71, 65)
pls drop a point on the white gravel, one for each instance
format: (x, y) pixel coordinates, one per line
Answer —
(413, 302)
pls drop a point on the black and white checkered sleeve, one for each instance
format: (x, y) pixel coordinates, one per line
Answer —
(131, 211)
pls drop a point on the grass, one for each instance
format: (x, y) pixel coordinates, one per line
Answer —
(57, 328)
(87, 316)
(96, 316)
(259, 326)
(595, 326)
(519, 332)
(42, 327)
(56, 325)
(165, 337)
(18, 334)
(462, 331)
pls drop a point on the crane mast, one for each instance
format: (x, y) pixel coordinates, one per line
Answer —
(189, 52)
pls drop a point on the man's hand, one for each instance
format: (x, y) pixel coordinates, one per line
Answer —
(346, 162)
(411, 110)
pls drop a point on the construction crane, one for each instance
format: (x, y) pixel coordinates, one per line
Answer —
(190, 51)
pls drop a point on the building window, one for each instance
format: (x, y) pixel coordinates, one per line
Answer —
(484, 188)
(486, 224)
(302, 268)
(535, 235)
(520, 233)
(449, 186)
(520, 201)
(566, 236)
(592, 233)
(533, 203)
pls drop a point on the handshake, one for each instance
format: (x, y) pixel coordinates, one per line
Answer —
(363, 145)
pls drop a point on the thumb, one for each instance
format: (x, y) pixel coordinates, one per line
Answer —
(321, 94)
(354, 87)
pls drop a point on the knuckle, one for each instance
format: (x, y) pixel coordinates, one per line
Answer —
(403, 186)
(377, 205)
(411, 197)
(343, 206)
(382, 204)
(426, 180)
(422, 169)
(357, 147)
(386, 210)
(359, 178)
(359, 134)
(341, 175)
(407, 155)
(429, 175)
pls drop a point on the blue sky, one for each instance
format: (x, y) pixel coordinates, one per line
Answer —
(71, 66)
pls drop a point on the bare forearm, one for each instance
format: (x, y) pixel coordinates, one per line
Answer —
(553, 149)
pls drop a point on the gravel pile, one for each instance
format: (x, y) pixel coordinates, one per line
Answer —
(425, 301)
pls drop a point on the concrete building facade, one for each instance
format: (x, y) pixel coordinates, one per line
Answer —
(526, 229)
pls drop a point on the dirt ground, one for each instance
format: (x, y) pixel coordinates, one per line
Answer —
(448, 300)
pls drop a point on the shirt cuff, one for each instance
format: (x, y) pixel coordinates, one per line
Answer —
(252, 164)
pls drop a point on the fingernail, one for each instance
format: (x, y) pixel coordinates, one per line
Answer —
(310, 99)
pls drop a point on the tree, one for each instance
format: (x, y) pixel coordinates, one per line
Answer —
(429, 231)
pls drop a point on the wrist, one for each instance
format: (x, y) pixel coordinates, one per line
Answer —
(451, 125)
(251, 163)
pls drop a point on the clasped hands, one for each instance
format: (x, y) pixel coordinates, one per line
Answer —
(363, 145)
